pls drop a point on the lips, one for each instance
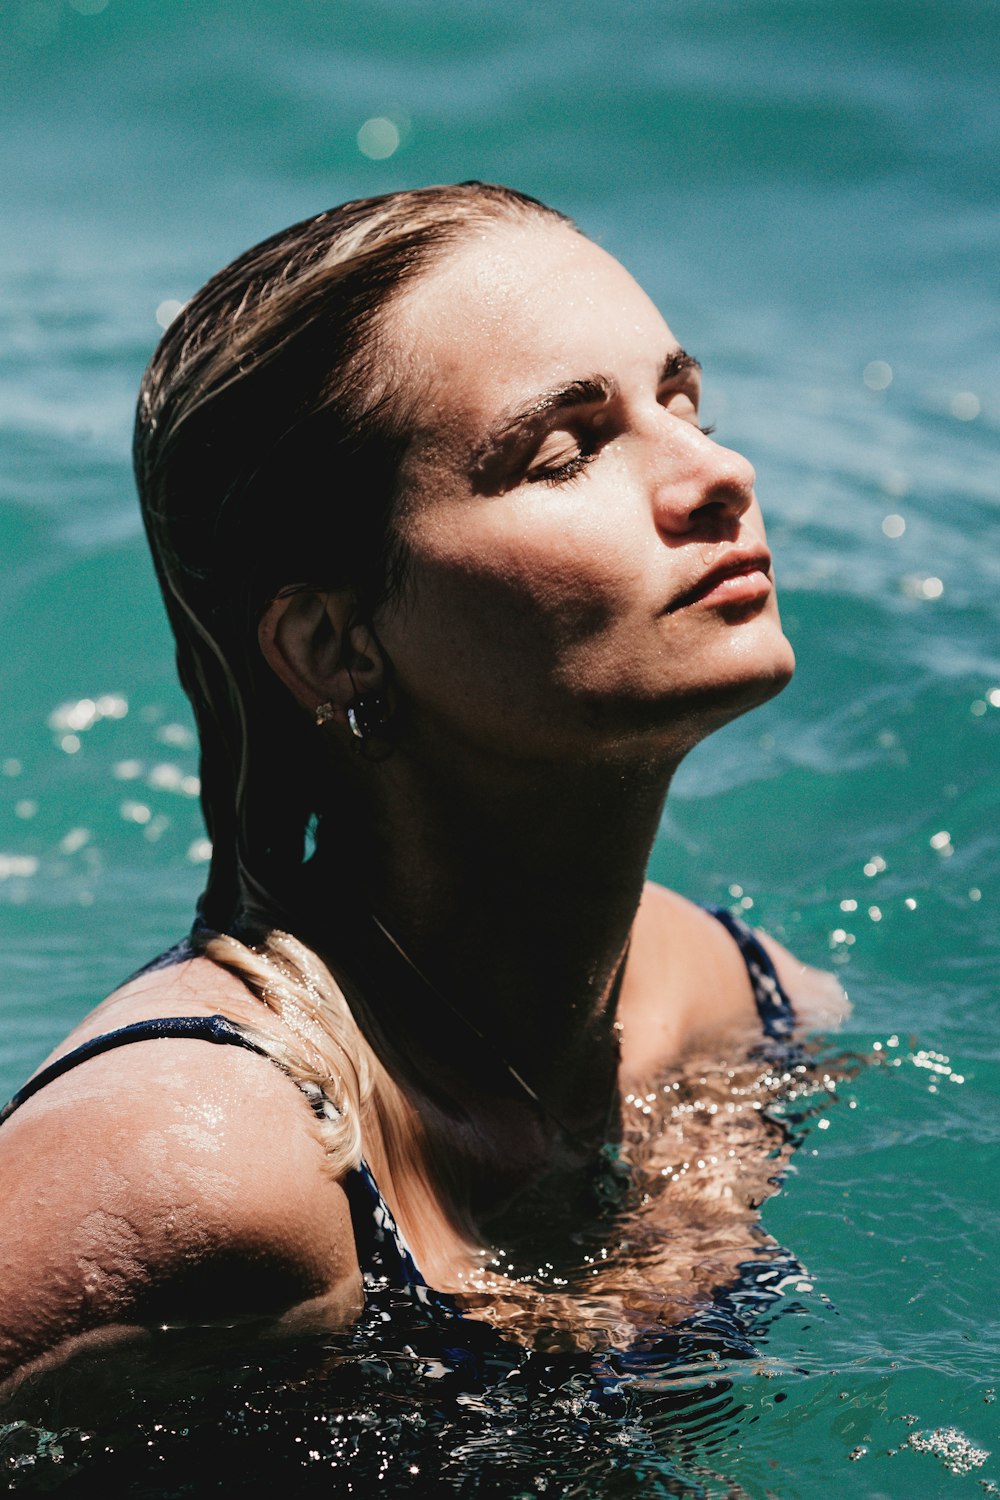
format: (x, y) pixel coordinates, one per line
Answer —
(738, 578)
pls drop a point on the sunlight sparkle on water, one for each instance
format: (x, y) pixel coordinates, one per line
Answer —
(177, 735)
(916, 586)
(135, 812)
(83, 713)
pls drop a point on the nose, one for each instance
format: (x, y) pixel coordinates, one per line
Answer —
(699, 486)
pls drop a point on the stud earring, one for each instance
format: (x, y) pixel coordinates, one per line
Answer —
(325, 714)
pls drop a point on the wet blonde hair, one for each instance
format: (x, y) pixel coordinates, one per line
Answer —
(271, 423)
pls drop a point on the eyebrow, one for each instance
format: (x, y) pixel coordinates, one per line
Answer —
(590, 391)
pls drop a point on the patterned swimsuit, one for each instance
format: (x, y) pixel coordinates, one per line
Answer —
(383, 1255)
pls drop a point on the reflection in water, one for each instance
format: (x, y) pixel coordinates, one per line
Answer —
(594, 1361)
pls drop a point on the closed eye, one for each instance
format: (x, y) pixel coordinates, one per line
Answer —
(562, 456)
(560, 473)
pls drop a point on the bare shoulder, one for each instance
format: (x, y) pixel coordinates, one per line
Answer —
(688, 984)
(818, 997)
(162, 1181)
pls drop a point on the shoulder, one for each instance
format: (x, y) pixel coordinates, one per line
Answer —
(166, 1179)
(689, 980)
(818, 998)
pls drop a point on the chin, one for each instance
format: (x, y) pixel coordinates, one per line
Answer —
(757, 669)
(751, 674)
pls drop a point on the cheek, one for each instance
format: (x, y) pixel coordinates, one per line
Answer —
(535, 590)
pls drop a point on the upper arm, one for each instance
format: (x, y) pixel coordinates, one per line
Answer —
(167, 1181)
(679, 950)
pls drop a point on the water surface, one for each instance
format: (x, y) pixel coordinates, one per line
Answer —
(808, 190)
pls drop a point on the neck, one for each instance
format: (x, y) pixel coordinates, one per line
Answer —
(513, 892)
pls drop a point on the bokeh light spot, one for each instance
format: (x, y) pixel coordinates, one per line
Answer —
(878, 375)
(167, 311)
(917, 587)
(136, 812)
(73, 841)
(966, 406)
(379, 138)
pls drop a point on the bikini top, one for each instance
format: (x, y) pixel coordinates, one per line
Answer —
(386, 1262)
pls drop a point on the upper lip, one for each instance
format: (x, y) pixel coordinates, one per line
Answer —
(741, 560)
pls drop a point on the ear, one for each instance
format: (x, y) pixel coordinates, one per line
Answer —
(312, 640)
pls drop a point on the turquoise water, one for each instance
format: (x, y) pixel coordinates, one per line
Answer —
(809, 191)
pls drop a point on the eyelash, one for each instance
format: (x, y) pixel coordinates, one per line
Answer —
(574, 466)
(563, 472)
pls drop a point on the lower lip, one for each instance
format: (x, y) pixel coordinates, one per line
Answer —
(738, 588)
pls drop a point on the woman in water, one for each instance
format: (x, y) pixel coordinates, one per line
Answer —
(457, 579)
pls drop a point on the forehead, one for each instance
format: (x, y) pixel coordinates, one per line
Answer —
(518, 309)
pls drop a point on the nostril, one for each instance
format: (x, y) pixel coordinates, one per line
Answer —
(718, 519)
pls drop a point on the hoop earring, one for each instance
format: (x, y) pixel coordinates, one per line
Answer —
(367, 716)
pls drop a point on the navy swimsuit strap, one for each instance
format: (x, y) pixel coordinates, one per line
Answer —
(195, 1028)
(777, 1014)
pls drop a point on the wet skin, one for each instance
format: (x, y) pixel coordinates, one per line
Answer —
(561, 509)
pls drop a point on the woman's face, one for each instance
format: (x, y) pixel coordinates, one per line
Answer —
(587, 569)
